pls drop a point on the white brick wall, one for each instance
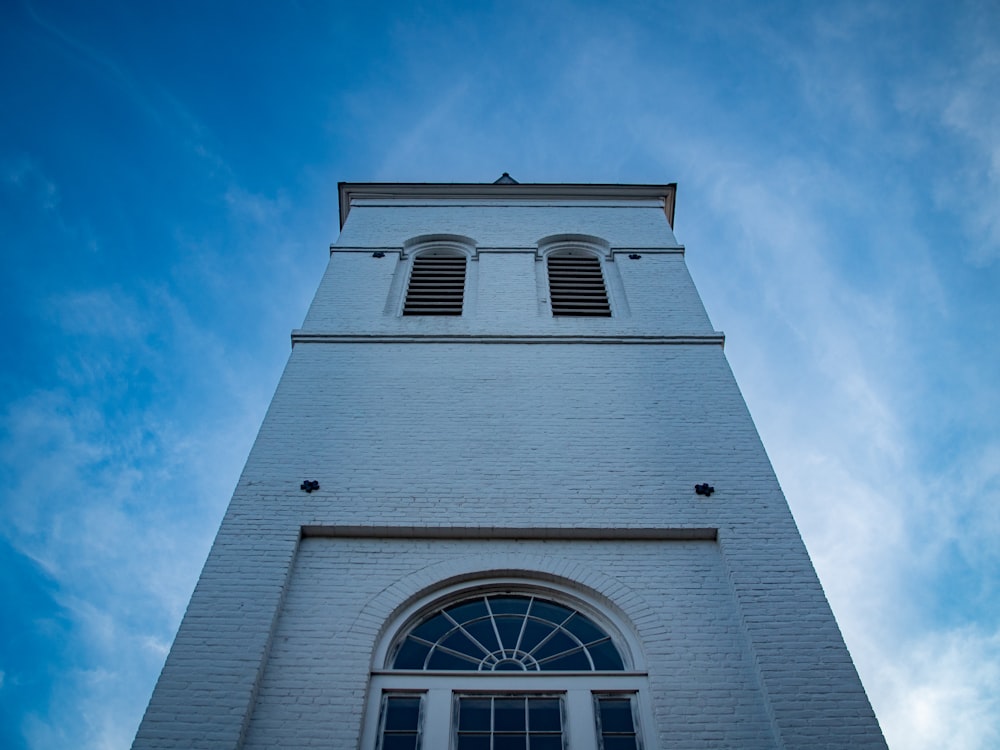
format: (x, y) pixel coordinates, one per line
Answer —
(684, 614)
(491, 224)
(661, 299)
(403, 432)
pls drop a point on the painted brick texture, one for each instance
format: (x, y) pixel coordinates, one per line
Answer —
(636, 224)
(702, 679)
(507, 293)
(407, 431)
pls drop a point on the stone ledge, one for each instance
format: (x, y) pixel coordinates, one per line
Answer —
(642, 533)
(303, 337)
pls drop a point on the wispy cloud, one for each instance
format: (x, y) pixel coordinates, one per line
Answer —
(25, 175)
(114, 486)
(117, 469)
(940, 690)
(964, 103)
(839, 170)
(819, 363)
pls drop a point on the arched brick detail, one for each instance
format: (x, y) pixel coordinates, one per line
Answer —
(382, 611)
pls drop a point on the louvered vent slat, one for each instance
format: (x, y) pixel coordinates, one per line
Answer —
(576, 286)
(437, 285)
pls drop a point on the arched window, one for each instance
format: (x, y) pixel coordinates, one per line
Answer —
(507, 632)
(434, 276)
(501, 667)
(578, 271)
(576, 284)
(437, 283)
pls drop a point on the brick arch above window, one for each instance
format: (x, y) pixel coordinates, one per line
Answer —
(457, 243)
(588, 243)
(627, 609)
(577, 287)
(598, 624)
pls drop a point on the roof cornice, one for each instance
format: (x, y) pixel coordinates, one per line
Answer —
(523, 191)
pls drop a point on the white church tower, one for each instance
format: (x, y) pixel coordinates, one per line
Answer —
(508, 495)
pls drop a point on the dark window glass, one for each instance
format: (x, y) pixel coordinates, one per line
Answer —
(400, 722)
(576, 661)
(459, 641)
(546, 742)
(402, 713)
(615, 723)
(510, 742)
(432, 629)
(534, 635)
(483, 632)
(510, 630)
(509, 605)
(509, 715)
(411, 655)
(463, 613)
(544, 715)
(399, 742)
(475, 714)
(619, 743)
(505, 722)
(556, 644)
(584, 629)
(616, 715)
(473, 742)
(445, 661)
(551, 612)
(606, 656)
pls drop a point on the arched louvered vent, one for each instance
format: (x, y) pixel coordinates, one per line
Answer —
(576, 285)
(437, 284)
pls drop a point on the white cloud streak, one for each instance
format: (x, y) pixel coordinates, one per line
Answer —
(825, 389)
(807, 244)
(121, 471)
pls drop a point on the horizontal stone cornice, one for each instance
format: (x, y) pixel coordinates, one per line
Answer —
(305, 337)
(399, 193)
(511, 532)
(615, 250)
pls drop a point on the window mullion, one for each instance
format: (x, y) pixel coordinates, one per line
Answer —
(579, 722)
(437, 723)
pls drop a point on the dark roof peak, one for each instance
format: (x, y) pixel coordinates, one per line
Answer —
(506, 179)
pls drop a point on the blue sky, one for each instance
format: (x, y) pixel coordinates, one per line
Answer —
(168, 179)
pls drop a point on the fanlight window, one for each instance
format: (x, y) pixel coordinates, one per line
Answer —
(507, 633)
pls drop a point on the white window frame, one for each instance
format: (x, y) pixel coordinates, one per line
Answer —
(582, 244)
(449, 244)
(440, 688)
(383, 709)
(634, 704)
